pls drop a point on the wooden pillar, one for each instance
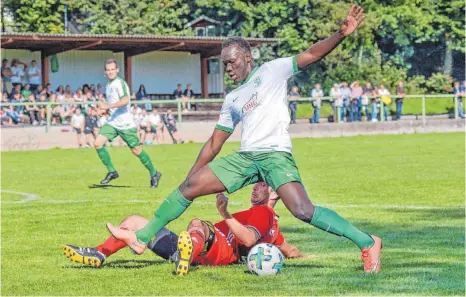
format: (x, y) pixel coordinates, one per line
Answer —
(128, 70)
(204, 79)
(45, 68)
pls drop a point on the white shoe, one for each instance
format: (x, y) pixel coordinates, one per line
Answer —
(42, 123)
(35, 123)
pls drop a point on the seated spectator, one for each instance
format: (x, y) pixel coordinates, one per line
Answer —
(141, 94)
(6, 75)
(42, 108)
(58, 111)
(48, 90)
(293, 105)
(135, 109)
(93, 90)
(26, 91)
(85, 88)
(400, 92)
(335, 93)
(17, 72)
(386, 100)
(170, 122)
(188, 94)
(16, 90)
(178, 92)
(346, 97)
(356, 101)
(99, 91)
(77, 122)
(39, 91)
(68, 91)
(316, 95)
(4, 119)
(33, 111)
(18, 98)
(34, 77)
(5, 98)
(14, 116)
(367, 92)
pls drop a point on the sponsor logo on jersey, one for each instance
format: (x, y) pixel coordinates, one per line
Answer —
(251, 104)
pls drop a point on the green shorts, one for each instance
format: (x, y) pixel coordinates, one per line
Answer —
(240, 169)
(130, 136)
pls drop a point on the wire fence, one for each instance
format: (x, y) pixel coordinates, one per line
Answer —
(458, 107)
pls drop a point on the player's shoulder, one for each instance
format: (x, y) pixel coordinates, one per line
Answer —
(262, 210)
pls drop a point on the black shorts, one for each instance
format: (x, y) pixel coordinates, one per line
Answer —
(171, 128)
(77, 130)
(88, 130)
(165, 244)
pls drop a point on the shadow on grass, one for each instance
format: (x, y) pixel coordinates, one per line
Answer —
(133, 264)
(97, 186)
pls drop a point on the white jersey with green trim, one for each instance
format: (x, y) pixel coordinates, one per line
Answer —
(121, 117)
(260, 103)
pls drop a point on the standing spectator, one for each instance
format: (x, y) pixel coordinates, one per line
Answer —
(375, 104)
(170, 122)
(6, 75)
(33, 75)
(335, 93)
(458, 90)
(367, 92)
(316, 95)
(153, 125)
(293, 95)
(188, 94)
(346, 96)
(400, 92)
(386, 100)
(17, 72)
(178, 92)
(33, 111)
(90, 125)
(142, 95)
(356, 101)
(77, 122)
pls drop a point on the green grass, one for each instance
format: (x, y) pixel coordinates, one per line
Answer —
(407, 189)
(411, 106)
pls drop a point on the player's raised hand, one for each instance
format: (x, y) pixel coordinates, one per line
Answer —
(222, 204)
(352, 21)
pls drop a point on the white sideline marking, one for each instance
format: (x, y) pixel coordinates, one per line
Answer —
(29, 197)
(390, 206)
(34, 197)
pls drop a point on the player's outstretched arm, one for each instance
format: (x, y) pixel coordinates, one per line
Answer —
(122, 102)
(319, 50)
(210, 149)
(291, 251)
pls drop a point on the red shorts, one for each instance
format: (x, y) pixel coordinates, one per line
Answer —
(221, 252)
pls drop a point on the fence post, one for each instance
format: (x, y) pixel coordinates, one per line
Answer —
(456, 107)
(178, 101)
(382, 114)
(423, 109)
(49, 113)
(338, 114)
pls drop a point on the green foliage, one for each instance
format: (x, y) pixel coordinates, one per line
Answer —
(439, 83)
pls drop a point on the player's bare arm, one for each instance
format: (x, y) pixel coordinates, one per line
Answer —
(210, 149)
(319, 50)
(246, 235)
(123, 102)
(291, 251)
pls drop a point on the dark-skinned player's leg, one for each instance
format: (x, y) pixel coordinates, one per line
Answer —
(295, 198)
(201, 183)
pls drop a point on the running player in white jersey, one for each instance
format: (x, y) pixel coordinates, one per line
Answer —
(120, 123)
(260, 104)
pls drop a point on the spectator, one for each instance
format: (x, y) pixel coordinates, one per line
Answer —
(17, 72)
(93, 90)
(26, 91)
(143, 120)
(33, 75)
(4, 119)
(346, 96)
(356, 101)
(400, 92)
(99, 91)
(42, 108)
(48, 90)
(178, 92)
(335, 93)
(77, 122)
(293, 95)
(153, 126)
(68, 91)
(33, 111)
(5, 98)
(458, 90)
(60, 92)
(16, 90)
(170, 122)
(90, 125)
(18, 98)
(39, 91)
(142, 95)
(375, 104)
(386, 100)
(316, 95)
(136, 110)
(14, 116)
(58, 111)
(188, 94)
(6, 75)
(367, 92)
(85, 88)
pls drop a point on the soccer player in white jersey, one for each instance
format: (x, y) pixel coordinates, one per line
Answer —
(121, 123)
(260, 104)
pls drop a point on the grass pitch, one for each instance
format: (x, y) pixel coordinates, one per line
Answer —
(407, 189)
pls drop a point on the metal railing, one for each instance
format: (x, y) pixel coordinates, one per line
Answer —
(220, 100)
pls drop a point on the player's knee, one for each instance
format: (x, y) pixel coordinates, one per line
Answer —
(129, 222)
(304, 213)
(195, 223)
(98, 145)
(136, 150)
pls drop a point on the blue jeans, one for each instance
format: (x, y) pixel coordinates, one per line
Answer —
(374, 111)
(359, 108)
(353, 112)
(366, 112)
(293, 106)
(399, 107)
(148, 106)
(385, 111)
(316, 116)
(460, 110)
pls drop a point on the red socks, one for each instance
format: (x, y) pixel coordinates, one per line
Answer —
(111, 245)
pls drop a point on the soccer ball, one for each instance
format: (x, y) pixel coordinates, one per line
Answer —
(265, 259)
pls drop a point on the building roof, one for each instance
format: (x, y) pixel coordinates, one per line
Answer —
(131, 44)
(199, 19)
